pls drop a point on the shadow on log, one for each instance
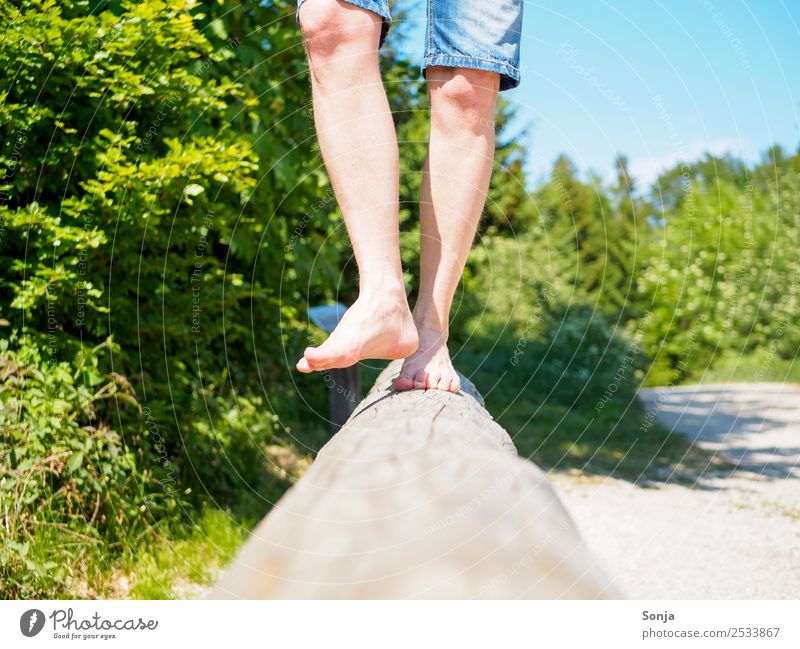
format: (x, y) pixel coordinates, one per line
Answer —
(420, 495)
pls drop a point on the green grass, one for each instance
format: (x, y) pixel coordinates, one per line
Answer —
(180, 557)
(183, 567)
(619, 442)
(184, 557)
(618, 439)
(759, 366)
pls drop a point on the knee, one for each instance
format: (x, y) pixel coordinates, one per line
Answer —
(464, 93)
(329, 25)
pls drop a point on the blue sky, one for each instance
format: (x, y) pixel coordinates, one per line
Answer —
(657, 81)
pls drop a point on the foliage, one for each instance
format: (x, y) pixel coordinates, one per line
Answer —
(723, 268)
(128, 214)
(590, 241)
(58, 454)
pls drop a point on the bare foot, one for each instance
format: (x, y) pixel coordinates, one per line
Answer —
(429, 368)
(376, 326)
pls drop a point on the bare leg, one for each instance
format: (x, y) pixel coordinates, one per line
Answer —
(454, 187)
(359, 147)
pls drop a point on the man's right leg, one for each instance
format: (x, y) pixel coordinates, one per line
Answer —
(359, 146)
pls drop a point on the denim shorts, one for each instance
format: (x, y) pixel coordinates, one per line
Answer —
(480, 34)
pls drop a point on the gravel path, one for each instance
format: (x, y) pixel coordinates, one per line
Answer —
(726, 537)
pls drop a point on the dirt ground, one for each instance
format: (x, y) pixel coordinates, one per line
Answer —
(726, 535)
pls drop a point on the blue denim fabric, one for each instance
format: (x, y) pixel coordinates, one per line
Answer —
(480, 34)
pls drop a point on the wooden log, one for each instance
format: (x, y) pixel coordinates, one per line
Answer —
(420, 495)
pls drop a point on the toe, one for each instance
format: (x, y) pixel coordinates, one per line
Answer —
(432, 380)
(420, 380)
(455, 383)
(313, 357)
(328, 357)
(444, 384)
(303, 366)
(403, 383)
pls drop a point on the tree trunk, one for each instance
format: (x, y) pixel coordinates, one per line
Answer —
(421, 494)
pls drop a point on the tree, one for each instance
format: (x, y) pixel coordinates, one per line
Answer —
(589, 239)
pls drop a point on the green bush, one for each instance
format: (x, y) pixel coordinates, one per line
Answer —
(722, 269)
(128, 214)
(584, 362)
(523, 322)
(61, 464)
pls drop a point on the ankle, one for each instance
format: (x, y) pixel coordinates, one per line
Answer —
(384, 294)
(431, 325)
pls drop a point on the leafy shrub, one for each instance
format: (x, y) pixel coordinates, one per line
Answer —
(125, 216)
(722, 272)
(523, 322)
(584, 361)
(61, 464)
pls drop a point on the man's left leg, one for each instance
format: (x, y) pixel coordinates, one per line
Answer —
(455, 181)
